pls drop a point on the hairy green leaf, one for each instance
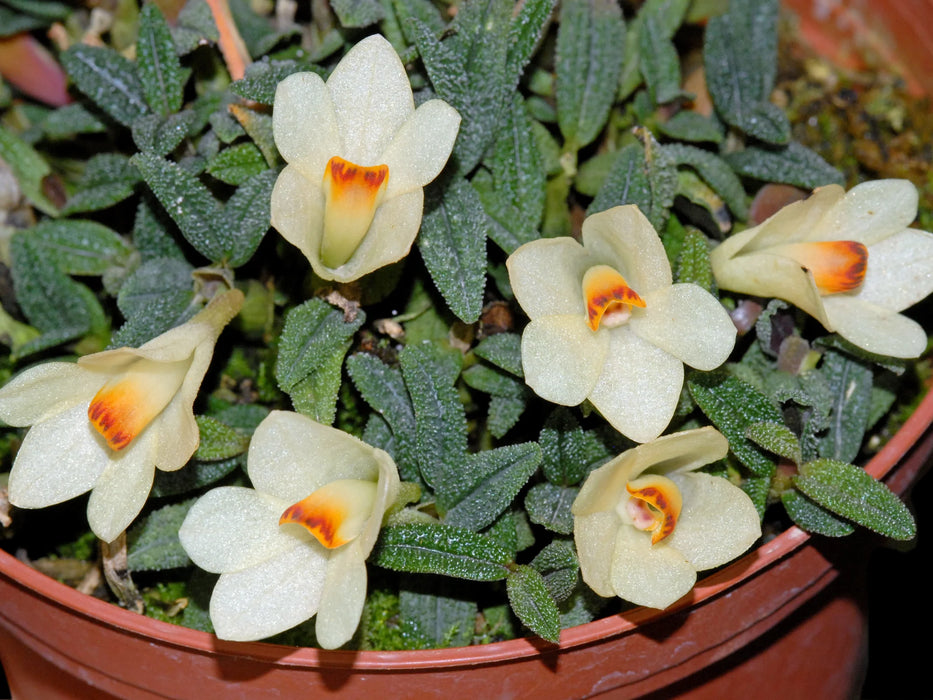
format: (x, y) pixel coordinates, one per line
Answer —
(29, 167)
(776, 438)
(548, 505)
(794, 165)
(850, 388)
(108, 79)
(160, 72)
(557, 563)
(440, 549)
(153, 545)
(532, 603)
(107, 180)
(78, 246)
(814, 518)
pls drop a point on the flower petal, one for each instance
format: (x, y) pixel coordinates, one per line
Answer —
(44, 390)
(654, 575)
(342, 599)
(304, 123)
(270, 597)
(562, 358)
(899, 270)
(231, 528)
(870, 212)
(606, 291)
(594, 535)
(805, 220)
(372, 99)
(639, 387)
(874, 328)
(122, 489)
(718, 523)
(420, 149)
(836, 266)
(60, 458)
(298, 212)
(291, 456)
(624, 239)
(689, 323)
(351, 193)
(545, 276)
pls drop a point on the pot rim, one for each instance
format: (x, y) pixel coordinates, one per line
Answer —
(710, 587)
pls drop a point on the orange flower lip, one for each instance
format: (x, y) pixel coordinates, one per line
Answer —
(352, 194)
(130, 401)
(336, 513)
(608, 296)
(656, 504)
(836, 266)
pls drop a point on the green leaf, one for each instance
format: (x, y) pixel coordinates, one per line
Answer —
(569, 451)
(78, 247)
(740, 80)
(357, 13)
(29, 168)
(487, 484)
(590, 41)
(732, 406)
(532, 604)
(440, 549)
(644, 176)
(504, 350)
(194, 27)
(851, 492)
(812, 517)
(160, 72)
(438, 620)
(453, 245)
(160, 135)
(687, 125)
(716, 172)
(557, 563)
(850, 386)
(383, 388)
(159, 295)
(693, 263)
(516, 193)
(153, 545)
(526, 32)
(52, 302)
(548, 505)
(70, 120)
(660, 62)
(151, 233)
(195, 476)
(776, 438)
(263, 76)
(247, 216)
(494, 381)
(440, 421)
(314, 340)
(107, 180)
(236, 164)
(794, 165)
(218, 440)
(108, 79)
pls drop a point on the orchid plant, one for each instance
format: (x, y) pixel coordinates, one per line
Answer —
(536, 319)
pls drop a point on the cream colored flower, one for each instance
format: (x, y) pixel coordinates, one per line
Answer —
(106, 422)
(608, 325)
(847, 259)
(297, 544)
(358, 155)
(647, 521)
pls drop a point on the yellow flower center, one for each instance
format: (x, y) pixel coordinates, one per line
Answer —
(127, 403)
(609, 299)
(336, 513)
(836, 266)
(352, 193)
(655, 505)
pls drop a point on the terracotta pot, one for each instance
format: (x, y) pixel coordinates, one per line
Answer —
(783, 619)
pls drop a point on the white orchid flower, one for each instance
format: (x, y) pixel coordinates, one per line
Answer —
(358, 155)
(847, 259)
(296, 545)
(607, 324)
(647, 521)
(106, 422)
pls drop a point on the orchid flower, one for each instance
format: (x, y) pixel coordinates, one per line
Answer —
(295, 545)
(358, 155)
(607, 324)
(647, 521)
(106, 422)
(847, 259)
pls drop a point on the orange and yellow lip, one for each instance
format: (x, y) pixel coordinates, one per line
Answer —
(836, 266)
(126, 404)
(352, 194)
(336, 513)
(608, 297)
(656, 504)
